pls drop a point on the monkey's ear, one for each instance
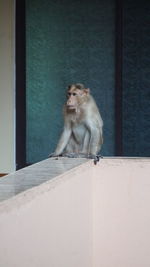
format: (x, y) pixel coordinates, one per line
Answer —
(69, 86)
(87, 91)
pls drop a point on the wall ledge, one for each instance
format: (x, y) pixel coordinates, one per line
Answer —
(24, 185)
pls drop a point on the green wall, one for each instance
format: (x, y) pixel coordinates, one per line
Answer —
(67, 42)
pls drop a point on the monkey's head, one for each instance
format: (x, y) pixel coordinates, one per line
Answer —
(77, 94)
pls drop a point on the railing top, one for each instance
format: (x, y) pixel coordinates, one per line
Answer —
(34, 175)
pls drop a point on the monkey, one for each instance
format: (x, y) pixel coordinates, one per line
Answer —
(82, 135)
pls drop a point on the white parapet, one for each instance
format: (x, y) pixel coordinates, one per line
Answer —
(77, 215)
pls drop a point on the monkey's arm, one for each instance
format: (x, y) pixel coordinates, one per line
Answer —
(64, 138)
(85, 148)
(95, 137)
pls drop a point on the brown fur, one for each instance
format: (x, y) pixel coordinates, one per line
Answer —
(82, 123)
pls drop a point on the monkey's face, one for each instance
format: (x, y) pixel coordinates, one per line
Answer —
(74, 98)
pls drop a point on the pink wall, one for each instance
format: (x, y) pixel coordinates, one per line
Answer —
(91, 216)
(121, 213)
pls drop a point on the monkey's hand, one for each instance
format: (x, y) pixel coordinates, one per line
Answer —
(53, 155)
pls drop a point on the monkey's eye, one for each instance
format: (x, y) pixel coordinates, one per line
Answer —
(69, 94)
(74, 94)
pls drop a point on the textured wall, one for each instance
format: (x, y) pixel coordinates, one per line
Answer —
(136, 78)
(67, 42)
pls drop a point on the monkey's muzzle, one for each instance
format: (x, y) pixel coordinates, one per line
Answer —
(70, 107)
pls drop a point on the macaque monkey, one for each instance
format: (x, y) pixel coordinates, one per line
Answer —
(82, 135)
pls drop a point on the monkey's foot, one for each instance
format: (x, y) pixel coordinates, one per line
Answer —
(95, 157)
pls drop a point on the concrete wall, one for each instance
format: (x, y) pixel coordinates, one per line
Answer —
(7, 82)
(91, 216)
